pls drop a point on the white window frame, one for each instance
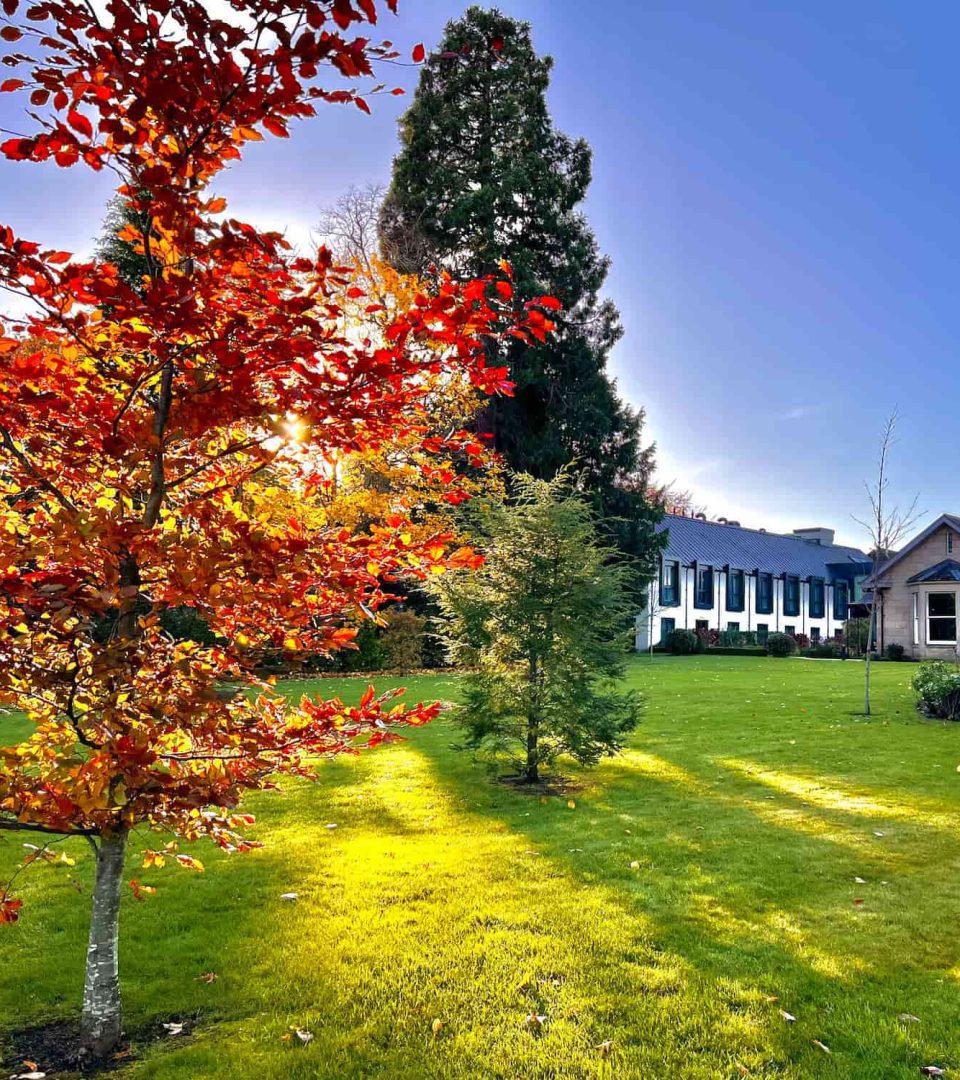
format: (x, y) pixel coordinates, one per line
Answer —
(916, 618)
(941, 641)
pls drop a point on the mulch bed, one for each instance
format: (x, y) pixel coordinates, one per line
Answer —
(52, 1049)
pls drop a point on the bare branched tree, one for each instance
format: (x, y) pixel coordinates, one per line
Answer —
(888, 526)
(350, 227)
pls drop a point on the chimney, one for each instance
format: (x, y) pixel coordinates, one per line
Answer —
(817, 535)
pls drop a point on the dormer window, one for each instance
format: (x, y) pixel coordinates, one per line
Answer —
(734, 590)
(703, 597)
(791, 595)
(670, 584)
(817, 605)
(764, 594)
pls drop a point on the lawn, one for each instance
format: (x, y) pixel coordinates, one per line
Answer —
(702, 882)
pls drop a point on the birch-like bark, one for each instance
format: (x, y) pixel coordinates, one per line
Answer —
(102, 1019)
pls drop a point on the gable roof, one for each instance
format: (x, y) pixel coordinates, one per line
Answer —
(947, 570)
(714, 544)
(953, 520)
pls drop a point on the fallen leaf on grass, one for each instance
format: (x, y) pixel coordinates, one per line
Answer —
(821, 1046)
(173, 1029)
(436, 1027)
(859, 900)
(789, 1017)
(332, 825)
(303, 1035)
(860, 881)
(908, 1018)
(932, 1070)
(571, 805)
(605, 1047)
(742, 1069)
(634, 865)
(207, 977)
(34, 1074)
(535, 1021)
(771, 998)
(878, 833)
(289, 896)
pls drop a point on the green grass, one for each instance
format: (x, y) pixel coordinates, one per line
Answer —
(751, 797)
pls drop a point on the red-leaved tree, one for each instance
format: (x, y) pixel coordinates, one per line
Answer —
(145, 433)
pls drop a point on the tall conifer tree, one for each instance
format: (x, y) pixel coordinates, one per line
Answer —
(483, 175)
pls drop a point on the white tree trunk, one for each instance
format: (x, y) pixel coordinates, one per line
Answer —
(871, 630)
(102, 1018)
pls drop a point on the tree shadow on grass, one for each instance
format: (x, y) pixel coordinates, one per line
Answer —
(760, 894)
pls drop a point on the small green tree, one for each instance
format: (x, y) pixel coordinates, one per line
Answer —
(545, 623)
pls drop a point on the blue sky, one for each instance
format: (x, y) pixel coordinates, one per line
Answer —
(778, 192)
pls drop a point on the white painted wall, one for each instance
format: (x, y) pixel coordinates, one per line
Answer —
(686, 616)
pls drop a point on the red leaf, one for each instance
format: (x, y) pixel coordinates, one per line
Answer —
(505, 289)
(369, 8)
(11, 33)
(276, 127)
(10, 85)
(10, 6)
(80, 123)
(58, 257)
(18, 149)
(362, 105)
(549, 302)
(419, 52)
(9, 909)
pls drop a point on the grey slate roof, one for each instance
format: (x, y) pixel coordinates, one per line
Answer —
(708, 542)
(947, 570)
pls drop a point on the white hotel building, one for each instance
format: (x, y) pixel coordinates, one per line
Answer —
(716, 575)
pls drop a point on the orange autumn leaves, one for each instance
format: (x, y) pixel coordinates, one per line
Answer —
(264, 437)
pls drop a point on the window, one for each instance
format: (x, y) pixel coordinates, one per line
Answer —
(704, 591)
(764, 594)
(916, 619)
(814, 634)
(790, 631)
(791, 595)
(817, 606)
(949, 542)
(735, 590)
(763, 631)
(702, 627)
(670, 584)
(942, 618)
(841, 599)
(667, 627)
(734, 627)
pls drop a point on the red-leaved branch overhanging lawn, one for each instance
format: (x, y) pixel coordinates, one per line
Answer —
(139, 425)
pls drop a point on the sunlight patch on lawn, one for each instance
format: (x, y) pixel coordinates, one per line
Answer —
(830, 794)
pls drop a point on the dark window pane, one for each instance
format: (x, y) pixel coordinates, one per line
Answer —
(942, 604)
(943, 630)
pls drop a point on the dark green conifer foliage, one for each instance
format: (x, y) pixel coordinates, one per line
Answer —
(544, 623)
(483, 175)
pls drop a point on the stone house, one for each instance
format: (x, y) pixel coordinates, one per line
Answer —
(918, 593)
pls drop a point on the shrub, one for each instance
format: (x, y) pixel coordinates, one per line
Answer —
(730, 639)
(895, 651)
(402, 640)
(709, 639)
(823, 650)
(683, 642)
(857, 634)
(781, 645)
(937, 684)
(803, 642)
